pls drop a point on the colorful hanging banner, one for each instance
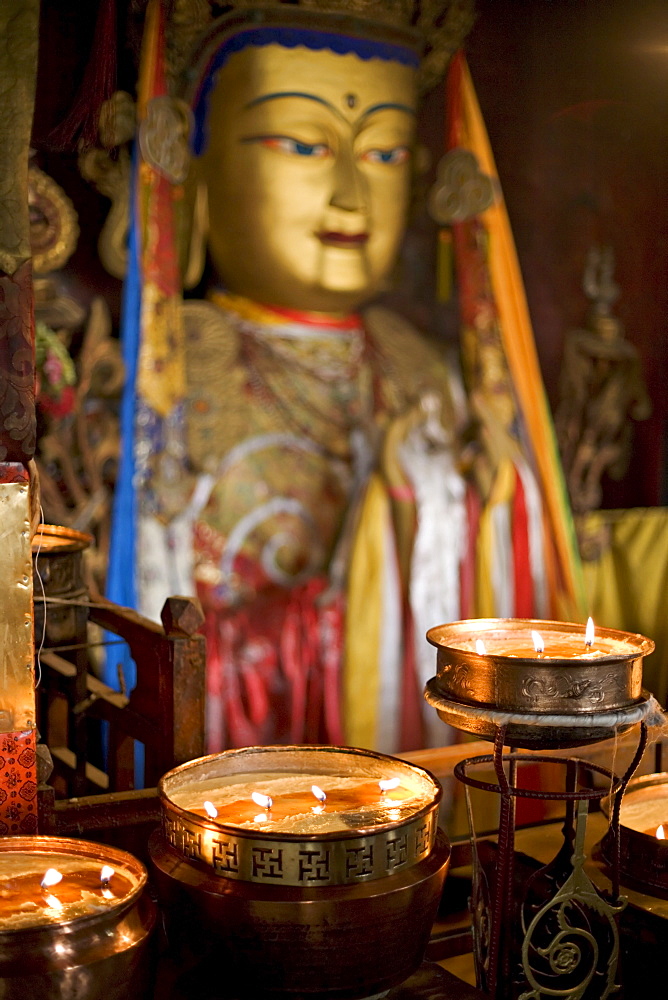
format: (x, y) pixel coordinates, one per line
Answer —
(505, 386)
(152, 411)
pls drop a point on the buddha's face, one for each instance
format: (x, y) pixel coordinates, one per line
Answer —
(307, 169)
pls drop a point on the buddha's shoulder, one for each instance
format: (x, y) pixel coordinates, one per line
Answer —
(215, 415)
(212, 342)
(406, 355)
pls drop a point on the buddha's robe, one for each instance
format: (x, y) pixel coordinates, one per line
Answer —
(297, 508)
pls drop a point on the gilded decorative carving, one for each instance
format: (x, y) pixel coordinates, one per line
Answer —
(110, 174)
(461, 190)
(440, 25)
(79, 451)
(163, 137)
(54, 228)
(601, 391)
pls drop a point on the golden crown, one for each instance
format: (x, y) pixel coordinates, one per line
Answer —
(436, 27)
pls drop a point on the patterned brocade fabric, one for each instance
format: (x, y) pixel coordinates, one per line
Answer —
(18, 783)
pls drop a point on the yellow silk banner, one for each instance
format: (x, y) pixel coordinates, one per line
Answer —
(364, 619)
(520, 351)
(627, 585)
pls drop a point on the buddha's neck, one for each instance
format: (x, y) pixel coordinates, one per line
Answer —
(269, 314)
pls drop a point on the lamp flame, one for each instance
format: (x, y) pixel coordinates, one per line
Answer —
(318, 792)
(106, 873)
(263, 801)
(51, 877)
(660, 833)
(590, 635)
(210, 809)
(480, 647)
(537, 640)
(387, 784)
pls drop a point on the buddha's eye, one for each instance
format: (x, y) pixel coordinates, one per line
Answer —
(293, 147)
(390, 156)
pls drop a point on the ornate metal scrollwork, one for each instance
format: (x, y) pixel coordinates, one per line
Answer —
(571, 944)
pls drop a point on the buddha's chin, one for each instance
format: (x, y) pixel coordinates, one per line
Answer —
(342, 282)
(338, 289)
(337, 297)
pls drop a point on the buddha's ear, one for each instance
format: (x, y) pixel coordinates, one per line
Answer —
(195, 229)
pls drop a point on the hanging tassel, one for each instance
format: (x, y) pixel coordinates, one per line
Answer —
(80, 126)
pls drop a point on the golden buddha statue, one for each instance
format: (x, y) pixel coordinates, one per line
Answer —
(307, 168)
(318, 436)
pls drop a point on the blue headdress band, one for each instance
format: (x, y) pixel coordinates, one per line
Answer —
(290, 38)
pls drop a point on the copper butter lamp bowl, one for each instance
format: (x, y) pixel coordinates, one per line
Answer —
(643, 855)
(571, 682)
(79, 939)
(58, 576)
(341, 912)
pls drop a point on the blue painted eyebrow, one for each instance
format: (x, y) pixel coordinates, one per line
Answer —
(391, 105)
(388, 105)
(290, 93)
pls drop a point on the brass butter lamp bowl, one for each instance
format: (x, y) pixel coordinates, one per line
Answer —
(569, 694)
(77, 931)
(344, 913)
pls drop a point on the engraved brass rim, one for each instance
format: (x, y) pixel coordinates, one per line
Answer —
(325, 859)
(55, 538)
(555, 686)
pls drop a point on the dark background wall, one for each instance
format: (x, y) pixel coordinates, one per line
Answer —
(575, 98)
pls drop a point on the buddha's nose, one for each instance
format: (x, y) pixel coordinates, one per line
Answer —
(349, 185)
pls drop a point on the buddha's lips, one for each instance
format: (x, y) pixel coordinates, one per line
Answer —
(343, 239)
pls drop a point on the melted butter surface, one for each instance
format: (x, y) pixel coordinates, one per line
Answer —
(24, 903)
(558, 646)
(353, 803)
(646, 809)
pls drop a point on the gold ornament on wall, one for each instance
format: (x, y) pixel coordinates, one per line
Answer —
(54, 229)
(601, 391)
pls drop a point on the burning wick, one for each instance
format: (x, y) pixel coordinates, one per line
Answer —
(320, 796)
(589, 633)
(105, 874)
(387, 784)
(537, 640)
(480, 647)
(660, 833)
(263, 801)
(51, 877)
(210, 809)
